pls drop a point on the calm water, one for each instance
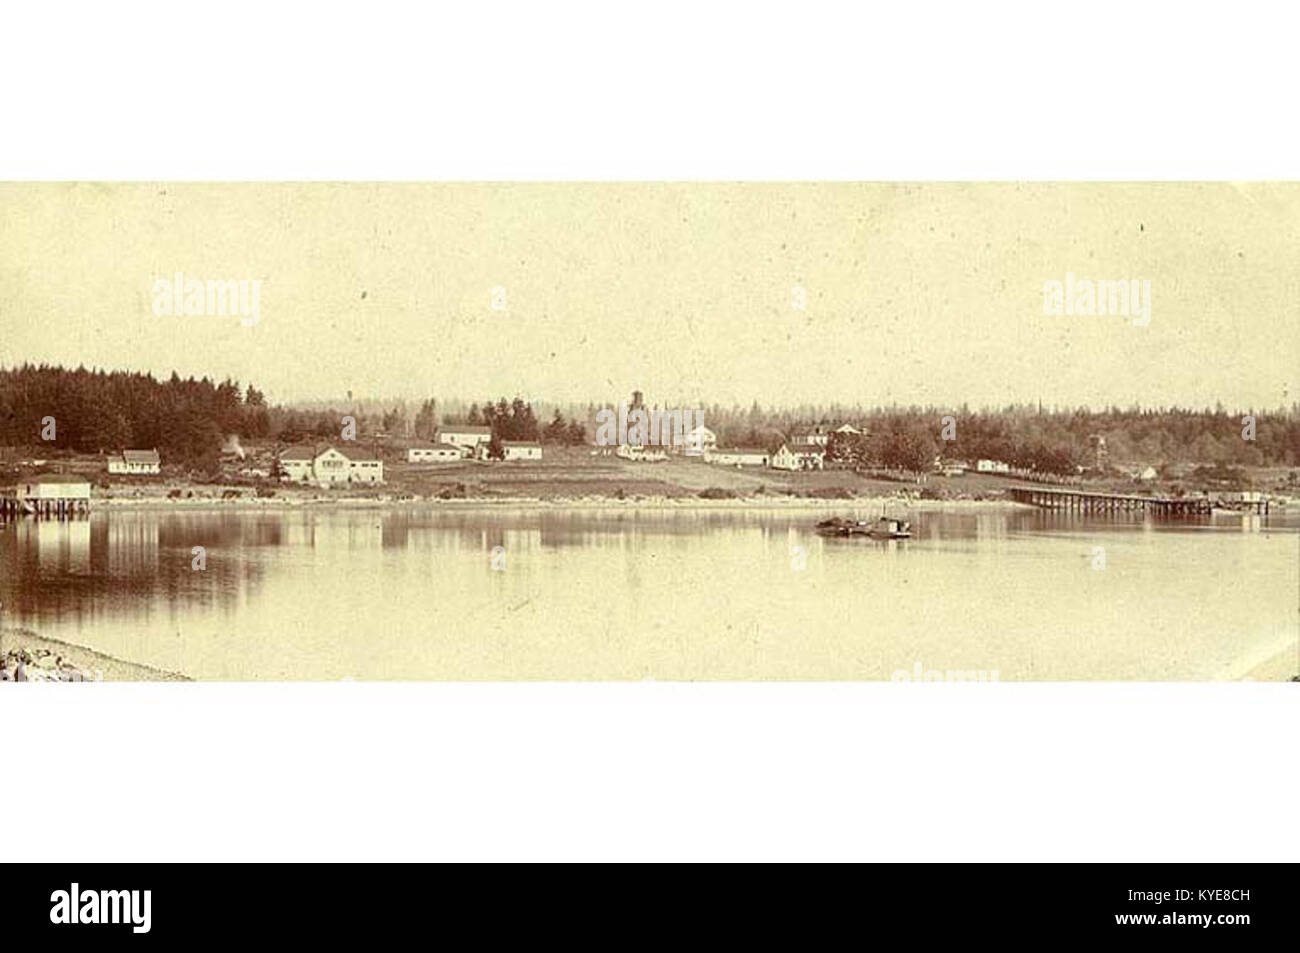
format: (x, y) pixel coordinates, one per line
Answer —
(669, 594)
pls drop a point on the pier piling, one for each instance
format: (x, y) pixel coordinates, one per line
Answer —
(1079, 501)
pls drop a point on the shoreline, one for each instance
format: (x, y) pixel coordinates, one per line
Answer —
(1282, 665)
(692, 501)
(98, 666)
(533, 502)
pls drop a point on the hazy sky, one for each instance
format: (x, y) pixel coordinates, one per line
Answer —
(915, 293)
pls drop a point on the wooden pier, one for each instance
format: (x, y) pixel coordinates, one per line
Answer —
(1078, 501)
(11, 508)
(46, 496)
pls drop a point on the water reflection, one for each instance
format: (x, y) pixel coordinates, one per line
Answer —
(668, 593)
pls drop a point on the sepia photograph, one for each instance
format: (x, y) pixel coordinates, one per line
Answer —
(674, 431)
(706, 433)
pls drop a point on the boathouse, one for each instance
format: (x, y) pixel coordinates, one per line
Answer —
(53, 486)
(49, 494)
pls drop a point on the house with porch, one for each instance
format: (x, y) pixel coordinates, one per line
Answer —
(798, 458)
(135, 463)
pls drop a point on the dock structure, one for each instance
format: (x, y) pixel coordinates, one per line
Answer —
(11, 508)
(1079, 501)
(50, 496)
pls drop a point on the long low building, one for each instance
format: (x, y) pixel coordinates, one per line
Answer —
(439, 453)
(521, 450)
(640, 453)
(738, 457)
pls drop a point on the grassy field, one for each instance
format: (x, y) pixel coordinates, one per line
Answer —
(570, 473)
(574, 473)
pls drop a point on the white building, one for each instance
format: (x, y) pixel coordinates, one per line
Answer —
(700, 440)
(813, 437)
(798, 458)
(738, 457)
(440, 453)
(465, 435)
(54, 487)
(363, 468)
(848, 429)
(641, 454)
(296, 464)
(992, 466)
(330, 467)
(521, 450)
(135, 463)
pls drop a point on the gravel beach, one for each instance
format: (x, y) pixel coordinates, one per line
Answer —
(93, 666)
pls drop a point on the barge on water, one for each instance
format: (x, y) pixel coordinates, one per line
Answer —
(883, 527)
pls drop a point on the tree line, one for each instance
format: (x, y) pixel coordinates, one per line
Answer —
(91, 411)
(1027, 436)
(187, 419)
